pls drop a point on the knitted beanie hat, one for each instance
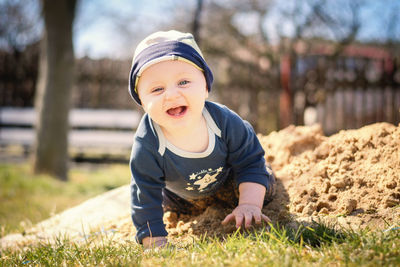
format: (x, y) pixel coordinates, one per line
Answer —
(163, 46)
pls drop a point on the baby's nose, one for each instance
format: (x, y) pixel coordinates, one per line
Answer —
(172, 92)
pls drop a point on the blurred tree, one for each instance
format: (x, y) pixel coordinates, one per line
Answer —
(245, 64)
(56, 73)
(196, 21)
(250, 58)
(20, 24)
(21, 28)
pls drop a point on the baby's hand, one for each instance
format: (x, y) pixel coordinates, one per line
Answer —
(246, 212)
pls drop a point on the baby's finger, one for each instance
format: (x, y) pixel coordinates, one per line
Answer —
(228, 218)
(248, 217)
(265, 218)
(239, 220)
(257, 218)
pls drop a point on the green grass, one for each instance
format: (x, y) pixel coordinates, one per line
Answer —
(309, 246)
(26, 199)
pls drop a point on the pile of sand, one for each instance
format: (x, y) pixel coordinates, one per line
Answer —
(352, 178)
(354, 172)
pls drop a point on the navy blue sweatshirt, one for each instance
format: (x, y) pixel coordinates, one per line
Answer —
(155, 163)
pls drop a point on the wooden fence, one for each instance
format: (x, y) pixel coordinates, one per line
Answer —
(99, 84)
(359, 87)
(345, 92)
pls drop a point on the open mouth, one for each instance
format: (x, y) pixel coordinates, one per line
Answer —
(177, 111)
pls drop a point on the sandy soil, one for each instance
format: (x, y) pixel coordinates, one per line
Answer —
(351, 178)
(355, 173)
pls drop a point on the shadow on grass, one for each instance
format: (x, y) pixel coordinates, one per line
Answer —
(313, 235)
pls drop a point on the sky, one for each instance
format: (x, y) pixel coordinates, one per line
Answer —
(115, 29)
(106, 28)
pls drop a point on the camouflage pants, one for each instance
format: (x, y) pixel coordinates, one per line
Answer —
(227, 196)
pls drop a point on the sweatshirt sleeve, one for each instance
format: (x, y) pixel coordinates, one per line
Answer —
(246, 155)
(146, 192)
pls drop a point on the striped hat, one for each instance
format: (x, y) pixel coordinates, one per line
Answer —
(163, 46)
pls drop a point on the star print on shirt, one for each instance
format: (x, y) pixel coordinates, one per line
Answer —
(203, 179)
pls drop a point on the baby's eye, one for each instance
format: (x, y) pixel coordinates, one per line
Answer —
(183, 82)
(157, 90)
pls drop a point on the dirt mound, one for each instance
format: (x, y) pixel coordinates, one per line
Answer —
(352, 177)
(354, 172)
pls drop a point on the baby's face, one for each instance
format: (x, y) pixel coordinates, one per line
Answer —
(173, 94)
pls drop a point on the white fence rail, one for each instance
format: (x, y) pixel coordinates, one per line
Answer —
(104, 130)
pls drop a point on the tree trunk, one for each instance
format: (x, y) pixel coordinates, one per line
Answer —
(196, 21)
(56, 73)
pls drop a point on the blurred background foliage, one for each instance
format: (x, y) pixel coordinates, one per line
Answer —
(271, 59)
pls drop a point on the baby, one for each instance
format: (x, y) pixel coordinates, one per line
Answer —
(189, 153)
